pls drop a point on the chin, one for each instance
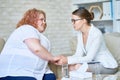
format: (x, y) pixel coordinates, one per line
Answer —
(42, 31)
(75, 29)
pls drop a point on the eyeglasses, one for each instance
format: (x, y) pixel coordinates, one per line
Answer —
(42, 19)
(74, 20)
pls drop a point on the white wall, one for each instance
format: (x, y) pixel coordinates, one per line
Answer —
(59, 30)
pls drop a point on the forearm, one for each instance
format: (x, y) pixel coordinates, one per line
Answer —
(36, 48)
(43, 53)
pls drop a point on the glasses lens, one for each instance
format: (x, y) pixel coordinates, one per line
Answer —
(73, 20)
(43, 19)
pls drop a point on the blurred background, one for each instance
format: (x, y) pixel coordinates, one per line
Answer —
(59, 28)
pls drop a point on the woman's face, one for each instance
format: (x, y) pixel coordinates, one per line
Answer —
(41, 23)
(77, 22)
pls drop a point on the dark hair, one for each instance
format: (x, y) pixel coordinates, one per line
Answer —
(84, 14)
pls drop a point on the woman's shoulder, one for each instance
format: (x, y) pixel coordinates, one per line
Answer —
(95, 31)
(27, 27)
(25, 30)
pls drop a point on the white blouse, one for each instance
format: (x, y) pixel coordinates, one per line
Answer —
(17, 60)
(95, 50)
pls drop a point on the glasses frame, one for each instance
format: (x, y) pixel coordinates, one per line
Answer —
(74, 20)
(42, 19)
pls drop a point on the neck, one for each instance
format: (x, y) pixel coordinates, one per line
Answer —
(85, 29)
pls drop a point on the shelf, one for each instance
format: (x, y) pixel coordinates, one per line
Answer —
(117, 19)
(111, 12)
(117, 10)
(102, 20)
(77, 2)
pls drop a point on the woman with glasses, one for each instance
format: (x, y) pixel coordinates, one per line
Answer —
(91, 46)
(26, 53)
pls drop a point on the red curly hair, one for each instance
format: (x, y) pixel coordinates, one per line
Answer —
(31, 17)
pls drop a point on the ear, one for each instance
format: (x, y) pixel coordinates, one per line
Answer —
(84, 21)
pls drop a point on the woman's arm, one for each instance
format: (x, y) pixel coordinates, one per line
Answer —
(35, 46)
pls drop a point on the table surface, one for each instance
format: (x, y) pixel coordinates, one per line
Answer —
(101, 77)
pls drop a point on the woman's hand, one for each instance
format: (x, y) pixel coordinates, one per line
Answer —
(60, 60)
(55, 60)
(74, 67)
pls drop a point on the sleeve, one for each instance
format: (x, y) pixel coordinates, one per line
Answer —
(28, 32)
(94, 48)
(91, 52)
(76, 58)
(78, 54)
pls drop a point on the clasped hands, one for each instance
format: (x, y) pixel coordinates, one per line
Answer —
(60, 60)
